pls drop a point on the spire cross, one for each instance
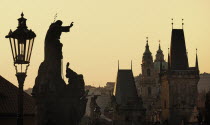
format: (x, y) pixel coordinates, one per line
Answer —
(182, 23)
(196, 51)
(55, 17)
(172, 22)
(147, 39)
(159, 44)
(118, 64)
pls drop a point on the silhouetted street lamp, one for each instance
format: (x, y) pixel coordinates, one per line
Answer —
(21, 41)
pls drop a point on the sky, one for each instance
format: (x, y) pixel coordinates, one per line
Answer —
(104, 32)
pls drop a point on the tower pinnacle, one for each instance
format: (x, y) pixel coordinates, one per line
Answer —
(118, 64)
(182, 23)
(147, 45)
(172, 22)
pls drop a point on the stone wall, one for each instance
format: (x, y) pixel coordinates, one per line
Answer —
(178, 96)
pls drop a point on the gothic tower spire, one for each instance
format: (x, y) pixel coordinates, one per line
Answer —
(196, 62)
(147, 47)
(118, 64)
(147, 62)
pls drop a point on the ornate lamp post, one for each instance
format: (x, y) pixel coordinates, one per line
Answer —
(21, 42)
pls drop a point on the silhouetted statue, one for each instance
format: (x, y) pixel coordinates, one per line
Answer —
(70, 74)
(58, 103)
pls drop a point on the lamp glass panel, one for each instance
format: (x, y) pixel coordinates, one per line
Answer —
(26, 50)
(15, 49)
(30, 48)
(12, 48)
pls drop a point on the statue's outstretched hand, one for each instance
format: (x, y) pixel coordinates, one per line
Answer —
(67, 65)
(72, 23)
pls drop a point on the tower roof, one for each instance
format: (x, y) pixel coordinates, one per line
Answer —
(147, 56)
(178, 54)
(147, 51)
(9, 99)
(125, 88)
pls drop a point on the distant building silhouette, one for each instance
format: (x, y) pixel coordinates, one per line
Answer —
(104, 96)
(203, 89)
(128, 108)
(9, 105)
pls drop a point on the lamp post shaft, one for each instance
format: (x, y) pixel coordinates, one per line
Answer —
(21, 78)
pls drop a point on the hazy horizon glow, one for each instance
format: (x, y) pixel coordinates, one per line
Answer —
(105, 31)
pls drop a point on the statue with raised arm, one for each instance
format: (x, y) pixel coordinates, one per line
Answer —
(53, 46)
(58, 103)
(49, 74)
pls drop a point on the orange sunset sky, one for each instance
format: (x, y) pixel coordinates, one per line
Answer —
(105, 31)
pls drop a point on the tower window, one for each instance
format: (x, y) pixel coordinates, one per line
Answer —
(148, 72)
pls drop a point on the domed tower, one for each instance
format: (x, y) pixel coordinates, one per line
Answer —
(159, 54)
(147, 63)
(159, 60)
(148, 86)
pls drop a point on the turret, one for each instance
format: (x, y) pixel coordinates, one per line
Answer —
(147, 62)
